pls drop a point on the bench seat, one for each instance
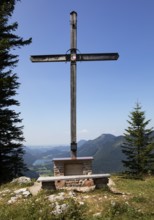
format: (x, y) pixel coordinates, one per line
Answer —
(48, 182)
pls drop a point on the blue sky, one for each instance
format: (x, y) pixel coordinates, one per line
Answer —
(106, 91)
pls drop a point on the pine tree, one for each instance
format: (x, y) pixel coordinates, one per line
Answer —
(138, 148)
(11, 134)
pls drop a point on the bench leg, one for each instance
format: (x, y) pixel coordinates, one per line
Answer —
(100, 182)
(49, 185)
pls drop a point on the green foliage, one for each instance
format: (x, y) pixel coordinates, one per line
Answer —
(139, 199)
(75, 211)
(11, 135)
(41, 209)
(138, 148)
(32, 209)
(127, 211)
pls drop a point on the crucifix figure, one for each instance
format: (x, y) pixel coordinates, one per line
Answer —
(73, 57)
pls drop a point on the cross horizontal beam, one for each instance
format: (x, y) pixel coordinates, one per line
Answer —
(75, 57)
(50, 58)
(97, 56)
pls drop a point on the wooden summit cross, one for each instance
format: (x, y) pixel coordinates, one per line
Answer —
(73, 57)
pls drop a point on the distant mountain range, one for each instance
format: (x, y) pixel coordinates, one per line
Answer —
(105, 149)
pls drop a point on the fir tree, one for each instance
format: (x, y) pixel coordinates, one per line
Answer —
(11, 134)
(138, 148)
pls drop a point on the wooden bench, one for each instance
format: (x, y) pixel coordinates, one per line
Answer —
(48, 182)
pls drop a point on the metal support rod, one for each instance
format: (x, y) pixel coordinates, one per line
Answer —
(73, 23)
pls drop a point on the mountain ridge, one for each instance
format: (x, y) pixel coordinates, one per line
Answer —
(105, 149)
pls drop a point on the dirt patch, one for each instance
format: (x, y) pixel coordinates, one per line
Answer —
(35, 188)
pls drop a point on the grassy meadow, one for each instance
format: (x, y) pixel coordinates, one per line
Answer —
(132, 199)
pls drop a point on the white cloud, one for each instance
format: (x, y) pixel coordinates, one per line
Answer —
(83, 131)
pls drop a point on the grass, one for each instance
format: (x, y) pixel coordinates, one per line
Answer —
(141, 192)
(136, 202)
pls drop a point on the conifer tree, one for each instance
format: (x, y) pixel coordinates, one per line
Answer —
(138, 146)
(11, 134)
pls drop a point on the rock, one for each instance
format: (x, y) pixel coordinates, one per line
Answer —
(19, 194)
(84, 189)
(113, 188)
(12, 200)
(20, 191)
(110, 183)
(5, 192)
(53, 198)
(113, 203)
(72, 194)
(81, 203)
(88, 182)
(59, 184)
(86, 197)
(98, 214)
(22, 180)
(26, 194)
(59, 209)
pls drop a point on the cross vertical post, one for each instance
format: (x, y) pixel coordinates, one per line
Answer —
(73, 48)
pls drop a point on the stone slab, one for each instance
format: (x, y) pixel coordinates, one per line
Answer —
(73, 177)
(72, 159)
